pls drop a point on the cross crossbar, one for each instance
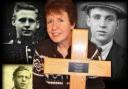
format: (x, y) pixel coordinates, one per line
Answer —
(79, 66)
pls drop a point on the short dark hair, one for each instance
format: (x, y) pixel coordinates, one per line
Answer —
(25, 6)
(20, 68)
(58, 5)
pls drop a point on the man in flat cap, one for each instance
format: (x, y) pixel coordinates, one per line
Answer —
(103, 20)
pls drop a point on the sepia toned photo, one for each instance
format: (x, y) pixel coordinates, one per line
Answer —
(17, 76)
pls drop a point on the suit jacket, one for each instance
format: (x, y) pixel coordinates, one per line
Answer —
(119, 67)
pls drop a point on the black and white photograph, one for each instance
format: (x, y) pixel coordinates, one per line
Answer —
(107, 25)
(23, 28)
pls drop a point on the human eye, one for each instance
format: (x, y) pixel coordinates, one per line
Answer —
(49, 21)
(61, 20)
(96, 17)
(31, 20)
(27, 77)
(19, 76)
(110, 18)
(22, 20)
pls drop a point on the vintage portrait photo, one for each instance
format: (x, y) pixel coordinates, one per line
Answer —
(22, 30)
(17, 76)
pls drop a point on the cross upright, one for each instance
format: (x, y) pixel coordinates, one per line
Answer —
(79, 66)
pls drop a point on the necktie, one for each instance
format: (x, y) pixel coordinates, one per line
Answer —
(97, 54)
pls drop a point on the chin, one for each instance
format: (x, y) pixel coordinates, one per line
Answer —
(101, 38)
(55, 41)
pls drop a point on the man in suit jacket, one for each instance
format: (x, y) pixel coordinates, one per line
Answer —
(103, 21)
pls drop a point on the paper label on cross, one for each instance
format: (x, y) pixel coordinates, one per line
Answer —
(79, 66)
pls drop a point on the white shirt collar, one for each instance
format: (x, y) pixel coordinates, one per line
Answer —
(105, 49)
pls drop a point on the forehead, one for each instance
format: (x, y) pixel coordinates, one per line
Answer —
(61, 13)
(23, 73)
(103, 11)
(26, 13)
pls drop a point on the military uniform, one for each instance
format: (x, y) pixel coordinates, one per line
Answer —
(19, 51)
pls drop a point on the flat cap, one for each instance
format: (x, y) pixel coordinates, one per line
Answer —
(120, 9)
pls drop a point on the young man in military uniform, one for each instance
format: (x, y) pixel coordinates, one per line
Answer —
(20, 47)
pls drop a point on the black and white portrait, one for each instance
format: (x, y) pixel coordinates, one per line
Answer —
(106, 22)
(23, 28)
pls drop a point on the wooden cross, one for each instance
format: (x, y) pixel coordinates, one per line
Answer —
(79, 66)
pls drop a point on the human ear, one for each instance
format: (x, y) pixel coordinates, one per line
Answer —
(73, 25)
(38, 25)
(88, 20)
(117, 24)
(13, 21)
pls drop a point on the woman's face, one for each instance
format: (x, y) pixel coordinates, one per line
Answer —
(59, 27)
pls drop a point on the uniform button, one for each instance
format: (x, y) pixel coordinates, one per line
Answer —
(29, 56)
(29, 50)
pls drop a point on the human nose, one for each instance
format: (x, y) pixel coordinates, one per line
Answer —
(23, 79)
(54, 26)
(27, 24)
(103, 23)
